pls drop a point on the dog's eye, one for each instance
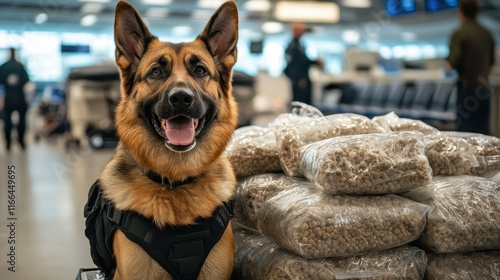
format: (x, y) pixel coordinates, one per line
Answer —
(200, 70)
(156, 72)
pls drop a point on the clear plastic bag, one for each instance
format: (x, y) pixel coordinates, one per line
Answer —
(479, 265)
(305, 110)
(255, 190)
(465, 215)
(449, 155)
(263, 259)
(367, 164)
(317, 225)
(392, 123)
(253, 150)
(292, 135)
(486, 149)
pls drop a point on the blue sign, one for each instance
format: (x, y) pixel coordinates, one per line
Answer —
(439, 5)
(400, 7)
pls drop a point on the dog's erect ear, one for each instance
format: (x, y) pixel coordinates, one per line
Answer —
(131, 35)
(221, 34)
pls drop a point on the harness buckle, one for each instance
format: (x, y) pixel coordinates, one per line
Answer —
(113, 214)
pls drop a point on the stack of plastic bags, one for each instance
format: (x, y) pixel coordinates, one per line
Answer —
(357, 191)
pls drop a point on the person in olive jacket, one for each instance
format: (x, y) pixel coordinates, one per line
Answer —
(472, 55)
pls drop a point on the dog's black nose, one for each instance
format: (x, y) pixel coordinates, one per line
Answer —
(181, 98)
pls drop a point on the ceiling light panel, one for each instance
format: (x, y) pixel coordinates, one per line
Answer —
(306, 11)
(95, 1)
(156, 2)
(88, 20)
(258, 5)
(182, 30)
(156, 13)
(356, 3)
(41, 18)
(210, 4)
(92, 8)
(272, 27)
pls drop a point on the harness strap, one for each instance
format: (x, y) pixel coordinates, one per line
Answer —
(181, 251)
(99, 231)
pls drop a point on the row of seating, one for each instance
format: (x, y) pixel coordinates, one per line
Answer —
(424, 100)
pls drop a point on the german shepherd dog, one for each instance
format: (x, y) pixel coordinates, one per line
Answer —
(175, 117)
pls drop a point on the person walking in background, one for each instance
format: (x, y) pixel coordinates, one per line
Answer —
(14, 78)
(472, 54)
(298, 64)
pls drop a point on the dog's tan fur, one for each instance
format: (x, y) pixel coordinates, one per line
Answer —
(123, 179)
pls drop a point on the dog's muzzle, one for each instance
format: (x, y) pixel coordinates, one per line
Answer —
(180, 117)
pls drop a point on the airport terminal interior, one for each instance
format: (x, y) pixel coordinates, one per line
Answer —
(379, 57)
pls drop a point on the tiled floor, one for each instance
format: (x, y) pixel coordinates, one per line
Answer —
(51, 188)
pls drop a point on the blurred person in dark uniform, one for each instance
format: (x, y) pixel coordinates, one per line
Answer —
(472, 54)
(14, 78)
(298, 64)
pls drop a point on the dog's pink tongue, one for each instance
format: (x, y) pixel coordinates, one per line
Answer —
(180, 131)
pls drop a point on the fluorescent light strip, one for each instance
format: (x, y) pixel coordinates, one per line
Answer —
(156, 13)
(156, 2)
(258, 5)
(272, 27)
(356, 3)
(92, 8)
(306, 11)
(95, 1)
(182, 30)
(210, 4)
(88, 20)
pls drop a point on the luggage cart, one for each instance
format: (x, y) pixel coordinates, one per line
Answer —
(92, 95)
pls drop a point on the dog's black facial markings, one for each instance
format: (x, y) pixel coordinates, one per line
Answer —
(177, 47)
(160, 69)
(197, 68)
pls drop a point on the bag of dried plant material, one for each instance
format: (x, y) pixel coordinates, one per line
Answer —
(467, 266)
(263, 259)
(253, 150)
(465, 214)
(291, 136)
(318, 225)
(486, 149)
(367, 164)
(449, 155)
(254, 190)
(392, 123)
(306, 110)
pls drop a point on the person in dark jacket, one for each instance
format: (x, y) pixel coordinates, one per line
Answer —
(298, 64)
(472, 54)
(14, 78)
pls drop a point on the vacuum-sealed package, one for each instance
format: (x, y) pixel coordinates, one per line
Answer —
(317, 225)
(449, 155)
(263, 259)
(255, 190)
(477, 265)
(392, 123)
(367, 164)
(291, 136)
(253, 150)
(465, 214)
(486, 149)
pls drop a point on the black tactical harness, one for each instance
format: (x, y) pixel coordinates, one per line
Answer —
(181, 251)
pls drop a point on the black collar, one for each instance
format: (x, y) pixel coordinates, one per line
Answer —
(157, 178)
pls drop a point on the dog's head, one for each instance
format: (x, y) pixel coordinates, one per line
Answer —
(176, 104)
